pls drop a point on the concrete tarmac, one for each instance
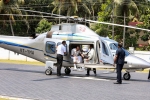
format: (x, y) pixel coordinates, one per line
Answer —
(30, 82)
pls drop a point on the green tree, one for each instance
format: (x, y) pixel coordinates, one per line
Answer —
(123, 11)
(71, 7)
(8, 8)
(43, 26)
(101, 29)
(145, 18)
(40, 6)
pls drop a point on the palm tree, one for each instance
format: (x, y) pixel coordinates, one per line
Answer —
(70, 7)
(123, 9)
(10, 7)
(94, 6)
(101, 29)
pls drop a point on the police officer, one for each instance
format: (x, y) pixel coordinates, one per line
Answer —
(61, 51)
(119, 61)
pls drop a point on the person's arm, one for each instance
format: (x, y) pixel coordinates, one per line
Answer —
(116, 56)
(91, 54)
(64, 49)
(72, 52)
(81, 54)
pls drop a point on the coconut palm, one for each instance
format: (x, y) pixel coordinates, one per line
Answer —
(10, 7)
(94, 6)
(123, 9)
(70, 7)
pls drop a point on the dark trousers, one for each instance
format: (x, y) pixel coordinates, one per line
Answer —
(119, 74)
(88, 70)
(149, 75)
(59, 63)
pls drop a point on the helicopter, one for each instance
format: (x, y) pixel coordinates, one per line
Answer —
(43, 48)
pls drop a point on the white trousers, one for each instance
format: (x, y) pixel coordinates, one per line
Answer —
(77, 59)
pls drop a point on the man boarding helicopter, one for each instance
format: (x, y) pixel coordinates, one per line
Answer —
(42, 48)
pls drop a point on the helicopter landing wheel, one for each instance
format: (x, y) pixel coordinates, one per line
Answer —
(67, 71)
(48, 71)
(126, 76)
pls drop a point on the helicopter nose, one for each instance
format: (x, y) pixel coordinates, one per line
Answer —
(137, 62)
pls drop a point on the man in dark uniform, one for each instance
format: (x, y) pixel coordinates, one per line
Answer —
(119, 60)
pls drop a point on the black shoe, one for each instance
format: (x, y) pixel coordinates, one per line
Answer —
(117, 83)
(58, 74)
(87, 74)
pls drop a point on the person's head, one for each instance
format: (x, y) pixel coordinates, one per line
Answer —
(77, 48)
(119, 45)
(91, 46)
(64, 42)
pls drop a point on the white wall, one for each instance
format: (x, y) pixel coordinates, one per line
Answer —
(9, 55)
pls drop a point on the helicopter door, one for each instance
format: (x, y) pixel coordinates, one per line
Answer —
(50, 48)
(105, 53)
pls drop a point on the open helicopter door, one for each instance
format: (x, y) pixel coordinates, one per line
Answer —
(102, 58)
(50, 46)
(106, 56)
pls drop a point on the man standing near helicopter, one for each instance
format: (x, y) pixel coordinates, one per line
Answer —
(119, 61)
(61, 51)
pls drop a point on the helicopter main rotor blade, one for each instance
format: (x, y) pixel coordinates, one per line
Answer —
(118, 25)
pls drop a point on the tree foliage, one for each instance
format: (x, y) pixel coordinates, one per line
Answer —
(101, 10)
(43, 26)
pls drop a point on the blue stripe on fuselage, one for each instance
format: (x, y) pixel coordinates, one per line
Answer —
(17, 45)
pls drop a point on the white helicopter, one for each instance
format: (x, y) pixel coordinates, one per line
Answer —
(43, 48)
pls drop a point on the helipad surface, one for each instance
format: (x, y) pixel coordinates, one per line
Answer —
(30, 82)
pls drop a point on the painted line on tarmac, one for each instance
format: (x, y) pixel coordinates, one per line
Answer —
(12, 98)
(87, 78)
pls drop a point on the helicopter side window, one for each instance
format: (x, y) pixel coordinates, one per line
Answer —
(50, 47)
(104, 49)
(113, 46)
(116, 47)
(58, 43)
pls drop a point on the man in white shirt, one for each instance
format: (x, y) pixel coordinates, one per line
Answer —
(61, 51)
(90, 59)
(75, 55)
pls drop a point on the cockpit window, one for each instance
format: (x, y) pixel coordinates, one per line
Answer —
(114, 46)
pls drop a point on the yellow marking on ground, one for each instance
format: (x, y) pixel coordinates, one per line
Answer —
(22, 62)
(11, 98)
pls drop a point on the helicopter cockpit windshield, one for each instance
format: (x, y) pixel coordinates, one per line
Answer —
(114, 46)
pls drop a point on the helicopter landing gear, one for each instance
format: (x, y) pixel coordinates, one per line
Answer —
(67, 70)
(49, 67)
(126, 76)
(48, 71)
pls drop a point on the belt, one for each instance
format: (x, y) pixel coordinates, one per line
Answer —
(60, 54)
